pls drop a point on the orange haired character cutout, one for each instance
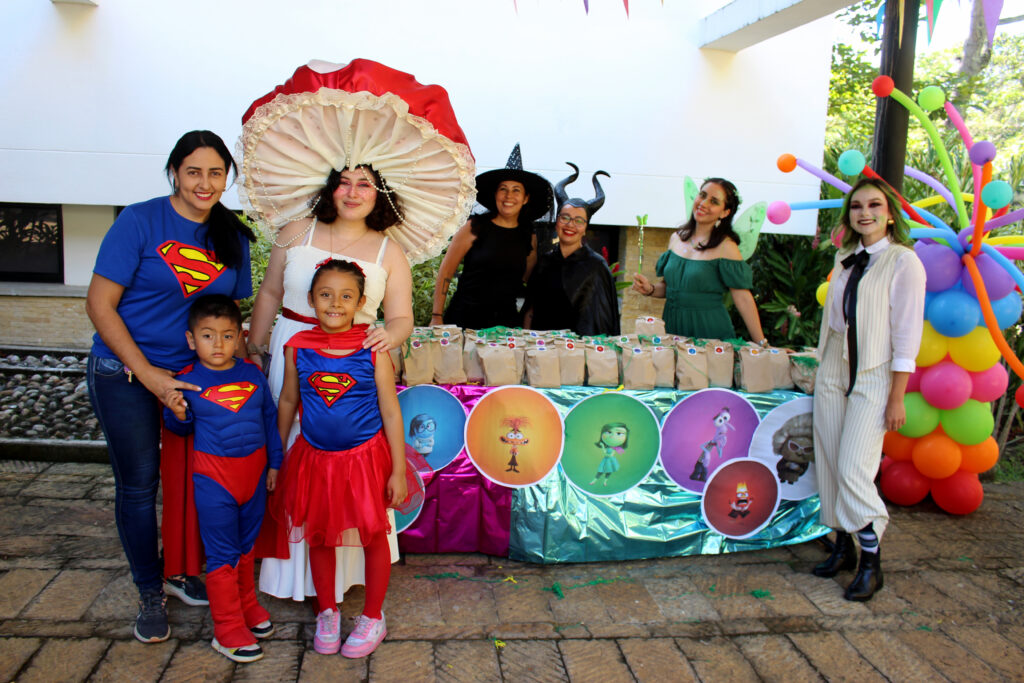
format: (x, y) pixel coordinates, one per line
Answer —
(514, 438)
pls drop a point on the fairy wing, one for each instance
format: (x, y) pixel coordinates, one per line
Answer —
(748, 226)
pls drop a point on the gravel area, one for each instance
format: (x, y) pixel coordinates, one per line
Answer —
(44, 396)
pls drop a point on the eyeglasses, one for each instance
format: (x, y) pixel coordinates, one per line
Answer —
(577, 221)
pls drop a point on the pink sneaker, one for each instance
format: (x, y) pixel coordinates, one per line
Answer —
(328, 632)
(367, 635)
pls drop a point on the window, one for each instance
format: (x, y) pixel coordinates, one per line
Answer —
(31, 243)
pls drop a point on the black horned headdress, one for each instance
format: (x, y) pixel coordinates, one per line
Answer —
(590, 207)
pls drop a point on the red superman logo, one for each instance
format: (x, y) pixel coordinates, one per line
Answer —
(194, 268)
(231, 396)
(331, 385)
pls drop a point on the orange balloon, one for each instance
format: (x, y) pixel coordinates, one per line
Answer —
(786, 163)
(980, 457)
(936, 456)
(897, 446)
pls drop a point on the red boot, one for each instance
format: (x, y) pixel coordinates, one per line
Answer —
(229, 627)
(256, 618)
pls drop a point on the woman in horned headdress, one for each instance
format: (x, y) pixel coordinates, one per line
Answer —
(497, 249)
(572, 286)
(702, 262)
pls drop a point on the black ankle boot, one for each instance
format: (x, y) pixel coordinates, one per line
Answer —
(868, 578)
(843, 557)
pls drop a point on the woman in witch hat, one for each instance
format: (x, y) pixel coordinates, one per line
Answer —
(497, 249)
(572, 286)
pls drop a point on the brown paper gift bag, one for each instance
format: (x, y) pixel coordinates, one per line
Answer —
(572, 364)
(691, 367)
(542, 366)
(498, 362)
(471, 360)
(720, 363)
(754, 372)
(664, 359)
(638, 368)
(418, 361)
(602, 364)
(448, 361)
(649, 326)
(803, 367)
(781, 377)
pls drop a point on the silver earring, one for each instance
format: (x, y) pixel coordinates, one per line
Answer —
(718, 222)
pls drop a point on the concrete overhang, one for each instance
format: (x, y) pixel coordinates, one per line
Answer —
(743, 23)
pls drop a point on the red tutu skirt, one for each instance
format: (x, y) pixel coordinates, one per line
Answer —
(334, 498)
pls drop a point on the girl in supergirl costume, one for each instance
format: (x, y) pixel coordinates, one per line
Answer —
(348, 464)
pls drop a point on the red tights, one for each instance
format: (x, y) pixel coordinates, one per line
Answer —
(377, 553)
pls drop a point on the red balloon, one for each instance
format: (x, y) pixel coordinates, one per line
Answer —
(902, 484)
(886, 464)
(914, 381)
(1018, 396)
(883, 86)
(960, 494)
(989, 385)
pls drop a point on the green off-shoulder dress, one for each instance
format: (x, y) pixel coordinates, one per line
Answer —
(694, 298)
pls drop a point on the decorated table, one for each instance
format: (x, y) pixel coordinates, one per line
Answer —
(580, 474)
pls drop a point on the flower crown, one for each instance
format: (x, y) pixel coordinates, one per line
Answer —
(351, 263)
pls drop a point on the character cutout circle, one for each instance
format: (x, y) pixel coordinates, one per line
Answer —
(704, 431)
(740, 498)
(784, 441)
(434, 424)
(611, 444)
(514, 436)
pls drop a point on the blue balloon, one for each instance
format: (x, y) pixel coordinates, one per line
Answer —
(953, 313)
(1007, 309)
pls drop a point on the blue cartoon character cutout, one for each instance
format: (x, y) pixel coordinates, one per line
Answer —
(420, 443)
(612, 442)
(514, 438)
(717, 442)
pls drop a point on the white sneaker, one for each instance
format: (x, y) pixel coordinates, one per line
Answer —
(367, 635)
(328, 632)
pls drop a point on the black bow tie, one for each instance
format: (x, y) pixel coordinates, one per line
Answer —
(856, 263)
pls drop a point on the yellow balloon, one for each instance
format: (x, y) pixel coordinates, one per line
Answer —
(821, 293)
(934, 346)
(974, 351)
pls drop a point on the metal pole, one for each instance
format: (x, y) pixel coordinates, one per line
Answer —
(889, 152)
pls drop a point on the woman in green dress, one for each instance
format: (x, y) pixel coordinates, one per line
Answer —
(702, 262)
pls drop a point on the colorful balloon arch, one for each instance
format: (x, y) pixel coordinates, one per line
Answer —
(973, 293)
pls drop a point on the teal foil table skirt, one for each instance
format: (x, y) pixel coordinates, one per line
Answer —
(553, 521)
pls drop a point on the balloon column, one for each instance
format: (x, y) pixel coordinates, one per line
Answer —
(972, 294)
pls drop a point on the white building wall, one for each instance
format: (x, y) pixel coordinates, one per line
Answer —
(96, 96)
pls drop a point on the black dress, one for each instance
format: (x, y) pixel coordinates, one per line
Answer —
(492, 277)
(577, 292)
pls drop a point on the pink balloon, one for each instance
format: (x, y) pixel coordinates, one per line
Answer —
(989, 385)
(779, 212)
(946, 385)
(914, 383)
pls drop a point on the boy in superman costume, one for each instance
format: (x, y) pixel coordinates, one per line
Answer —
(237, 453)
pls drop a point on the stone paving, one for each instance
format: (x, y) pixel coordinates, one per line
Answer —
(950, 609)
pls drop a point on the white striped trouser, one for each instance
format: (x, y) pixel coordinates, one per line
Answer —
(848, 434)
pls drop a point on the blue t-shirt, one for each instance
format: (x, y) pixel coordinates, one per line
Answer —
(339, 398)
(162, 261)
(233, 415)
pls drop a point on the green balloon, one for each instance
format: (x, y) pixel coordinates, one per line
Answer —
(922, 417)
(931, 98)
(970, 424)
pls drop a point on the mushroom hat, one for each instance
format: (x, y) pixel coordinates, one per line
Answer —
(331, 117)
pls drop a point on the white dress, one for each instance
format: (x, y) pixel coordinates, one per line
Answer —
(292, 578)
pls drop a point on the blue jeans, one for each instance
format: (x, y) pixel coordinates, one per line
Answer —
(130, 418)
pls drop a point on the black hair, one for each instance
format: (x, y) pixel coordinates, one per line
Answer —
(418, 421)
(213, 306)
(724, 227)
(339, 266)
(898, 231)
(385, 209)
(223, 225)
